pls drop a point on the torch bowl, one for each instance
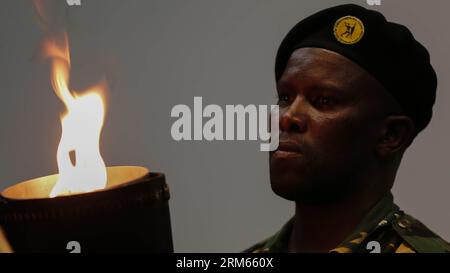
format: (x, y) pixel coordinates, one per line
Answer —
(130, 215)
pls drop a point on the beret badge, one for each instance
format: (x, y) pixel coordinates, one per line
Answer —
(348, 30)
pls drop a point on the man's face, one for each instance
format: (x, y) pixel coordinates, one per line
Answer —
(329, 111)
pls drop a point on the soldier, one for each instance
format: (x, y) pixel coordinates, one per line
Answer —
(354, 91)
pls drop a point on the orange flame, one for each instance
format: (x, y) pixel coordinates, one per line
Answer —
(81, 128)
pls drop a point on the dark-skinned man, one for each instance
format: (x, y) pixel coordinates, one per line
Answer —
(354, 91)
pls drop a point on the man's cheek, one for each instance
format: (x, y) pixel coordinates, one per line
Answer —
(334, 147)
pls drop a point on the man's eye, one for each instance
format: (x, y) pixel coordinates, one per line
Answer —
(283, 98)
(324, 101)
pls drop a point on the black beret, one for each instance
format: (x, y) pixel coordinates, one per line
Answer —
(388, 51)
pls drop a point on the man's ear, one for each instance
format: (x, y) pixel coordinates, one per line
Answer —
(396, 134)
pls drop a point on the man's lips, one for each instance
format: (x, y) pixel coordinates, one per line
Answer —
(288, 149)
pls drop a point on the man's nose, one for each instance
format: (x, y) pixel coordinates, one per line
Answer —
(293, 119)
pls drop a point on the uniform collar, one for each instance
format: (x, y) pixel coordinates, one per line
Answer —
(380, 215)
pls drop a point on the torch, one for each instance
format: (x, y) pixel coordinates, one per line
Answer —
(86, 207)
(130, 215)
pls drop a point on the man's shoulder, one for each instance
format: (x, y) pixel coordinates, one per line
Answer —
(275, 243)
(418, 236)
(403, 234)
(262, 246)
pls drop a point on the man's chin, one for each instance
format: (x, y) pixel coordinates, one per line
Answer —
(283, 192)
(289, 189)
(305, 193)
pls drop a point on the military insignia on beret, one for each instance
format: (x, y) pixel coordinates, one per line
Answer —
(348, 30)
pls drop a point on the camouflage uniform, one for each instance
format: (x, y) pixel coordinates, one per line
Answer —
(391, 228)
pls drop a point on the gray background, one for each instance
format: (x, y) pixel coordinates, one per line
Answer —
(157, 54)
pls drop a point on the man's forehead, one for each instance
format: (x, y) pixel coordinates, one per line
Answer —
(320, 64)
(310, 56)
